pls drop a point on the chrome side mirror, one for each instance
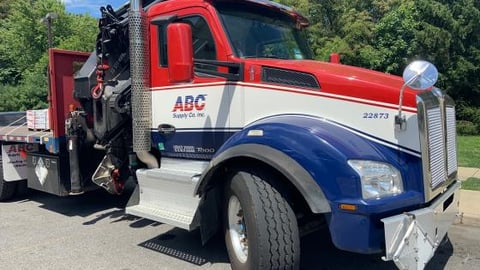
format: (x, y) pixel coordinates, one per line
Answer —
(418, 75)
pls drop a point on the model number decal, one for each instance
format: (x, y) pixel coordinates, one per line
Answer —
(369, 115)
(192, 149)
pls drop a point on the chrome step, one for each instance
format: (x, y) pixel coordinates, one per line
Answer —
(166, 194)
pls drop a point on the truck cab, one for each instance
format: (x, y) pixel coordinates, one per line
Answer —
(227, 124)
(241, 97)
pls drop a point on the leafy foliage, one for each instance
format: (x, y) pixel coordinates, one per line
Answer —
(24, 48)
(4, 8)
(386, 35)
(472, 126)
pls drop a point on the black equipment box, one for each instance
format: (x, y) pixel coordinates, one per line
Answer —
(48, 173)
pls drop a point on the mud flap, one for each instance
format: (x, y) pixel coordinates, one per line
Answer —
(412, 238)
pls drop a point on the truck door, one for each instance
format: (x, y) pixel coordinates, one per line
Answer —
(191, 119)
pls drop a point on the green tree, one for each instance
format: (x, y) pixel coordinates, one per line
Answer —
(23, 50)
(394, 37)
(4, 8)
(386, 35)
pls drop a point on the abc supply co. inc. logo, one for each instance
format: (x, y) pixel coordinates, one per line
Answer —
(189, 107)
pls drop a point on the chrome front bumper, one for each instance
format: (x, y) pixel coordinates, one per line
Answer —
(412, 238)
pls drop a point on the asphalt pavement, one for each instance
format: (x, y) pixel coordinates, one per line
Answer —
(91, 231)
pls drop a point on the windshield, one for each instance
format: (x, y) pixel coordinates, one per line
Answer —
(259, 32)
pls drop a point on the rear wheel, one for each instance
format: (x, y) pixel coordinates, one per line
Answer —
(261, 230)
(7, 189)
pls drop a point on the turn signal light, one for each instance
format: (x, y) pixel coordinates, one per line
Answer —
(348, 207)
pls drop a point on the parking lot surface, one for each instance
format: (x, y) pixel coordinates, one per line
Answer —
(91, 231)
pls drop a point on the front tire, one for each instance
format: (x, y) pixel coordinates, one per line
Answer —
(261, 230)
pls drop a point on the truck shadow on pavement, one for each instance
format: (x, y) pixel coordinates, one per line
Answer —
(187, 246)
(318, 251)
(81, 205)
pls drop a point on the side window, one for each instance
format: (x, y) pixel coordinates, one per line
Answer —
(162, 45)
(202, 39)
(203, 43)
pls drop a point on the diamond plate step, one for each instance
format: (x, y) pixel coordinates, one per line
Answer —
(179, 219)
(167, 194)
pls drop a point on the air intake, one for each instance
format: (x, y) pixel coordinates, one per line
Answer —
(289, 78)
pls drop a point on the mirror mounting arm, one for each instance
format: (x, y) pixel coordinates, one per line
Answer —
(400, 122)
(400, 119)
(418, 75)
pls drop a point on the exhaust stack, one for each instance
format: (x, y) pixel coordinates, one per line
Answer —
(140, 78)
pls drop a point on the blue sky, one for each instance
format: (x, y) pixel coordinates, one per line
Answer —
(90, 6)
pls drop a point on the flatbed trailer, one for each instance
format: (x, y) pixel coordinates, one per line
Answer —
(24, 148)
(21, 134)
(63, 65)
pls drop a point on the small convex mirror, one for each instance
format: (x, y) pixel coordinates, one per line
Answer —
(420, 75)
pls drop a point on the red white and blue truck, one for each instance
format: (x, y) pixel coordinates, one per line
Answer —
(217, 111)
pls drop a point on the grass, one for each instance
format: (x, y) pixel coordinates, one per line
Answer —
(471, 183)
(468, 151)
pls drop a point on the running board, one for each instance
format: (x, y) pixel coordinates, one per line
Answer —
(166, 194)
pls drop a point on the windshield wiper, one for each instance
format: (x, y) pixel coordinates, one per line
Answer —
(267, 56)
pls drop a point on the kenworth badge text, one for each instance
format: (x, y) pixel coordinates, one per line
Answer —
(217, 112)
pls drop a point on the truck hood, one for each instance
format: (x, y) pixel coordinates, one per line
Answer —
(343, 80)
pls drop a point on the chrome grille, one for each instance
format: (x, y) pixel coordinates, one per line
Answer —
(451, 141)
(436, 146)
(436, 123)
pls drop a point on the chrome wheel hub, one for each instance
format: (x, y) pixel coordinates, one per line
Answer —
(237, 229)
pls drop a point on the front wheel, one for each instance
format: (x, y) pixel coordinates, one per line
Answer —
(261, 230)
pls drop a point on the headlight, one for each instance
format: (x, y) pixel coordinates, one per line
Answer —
(378, 179)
